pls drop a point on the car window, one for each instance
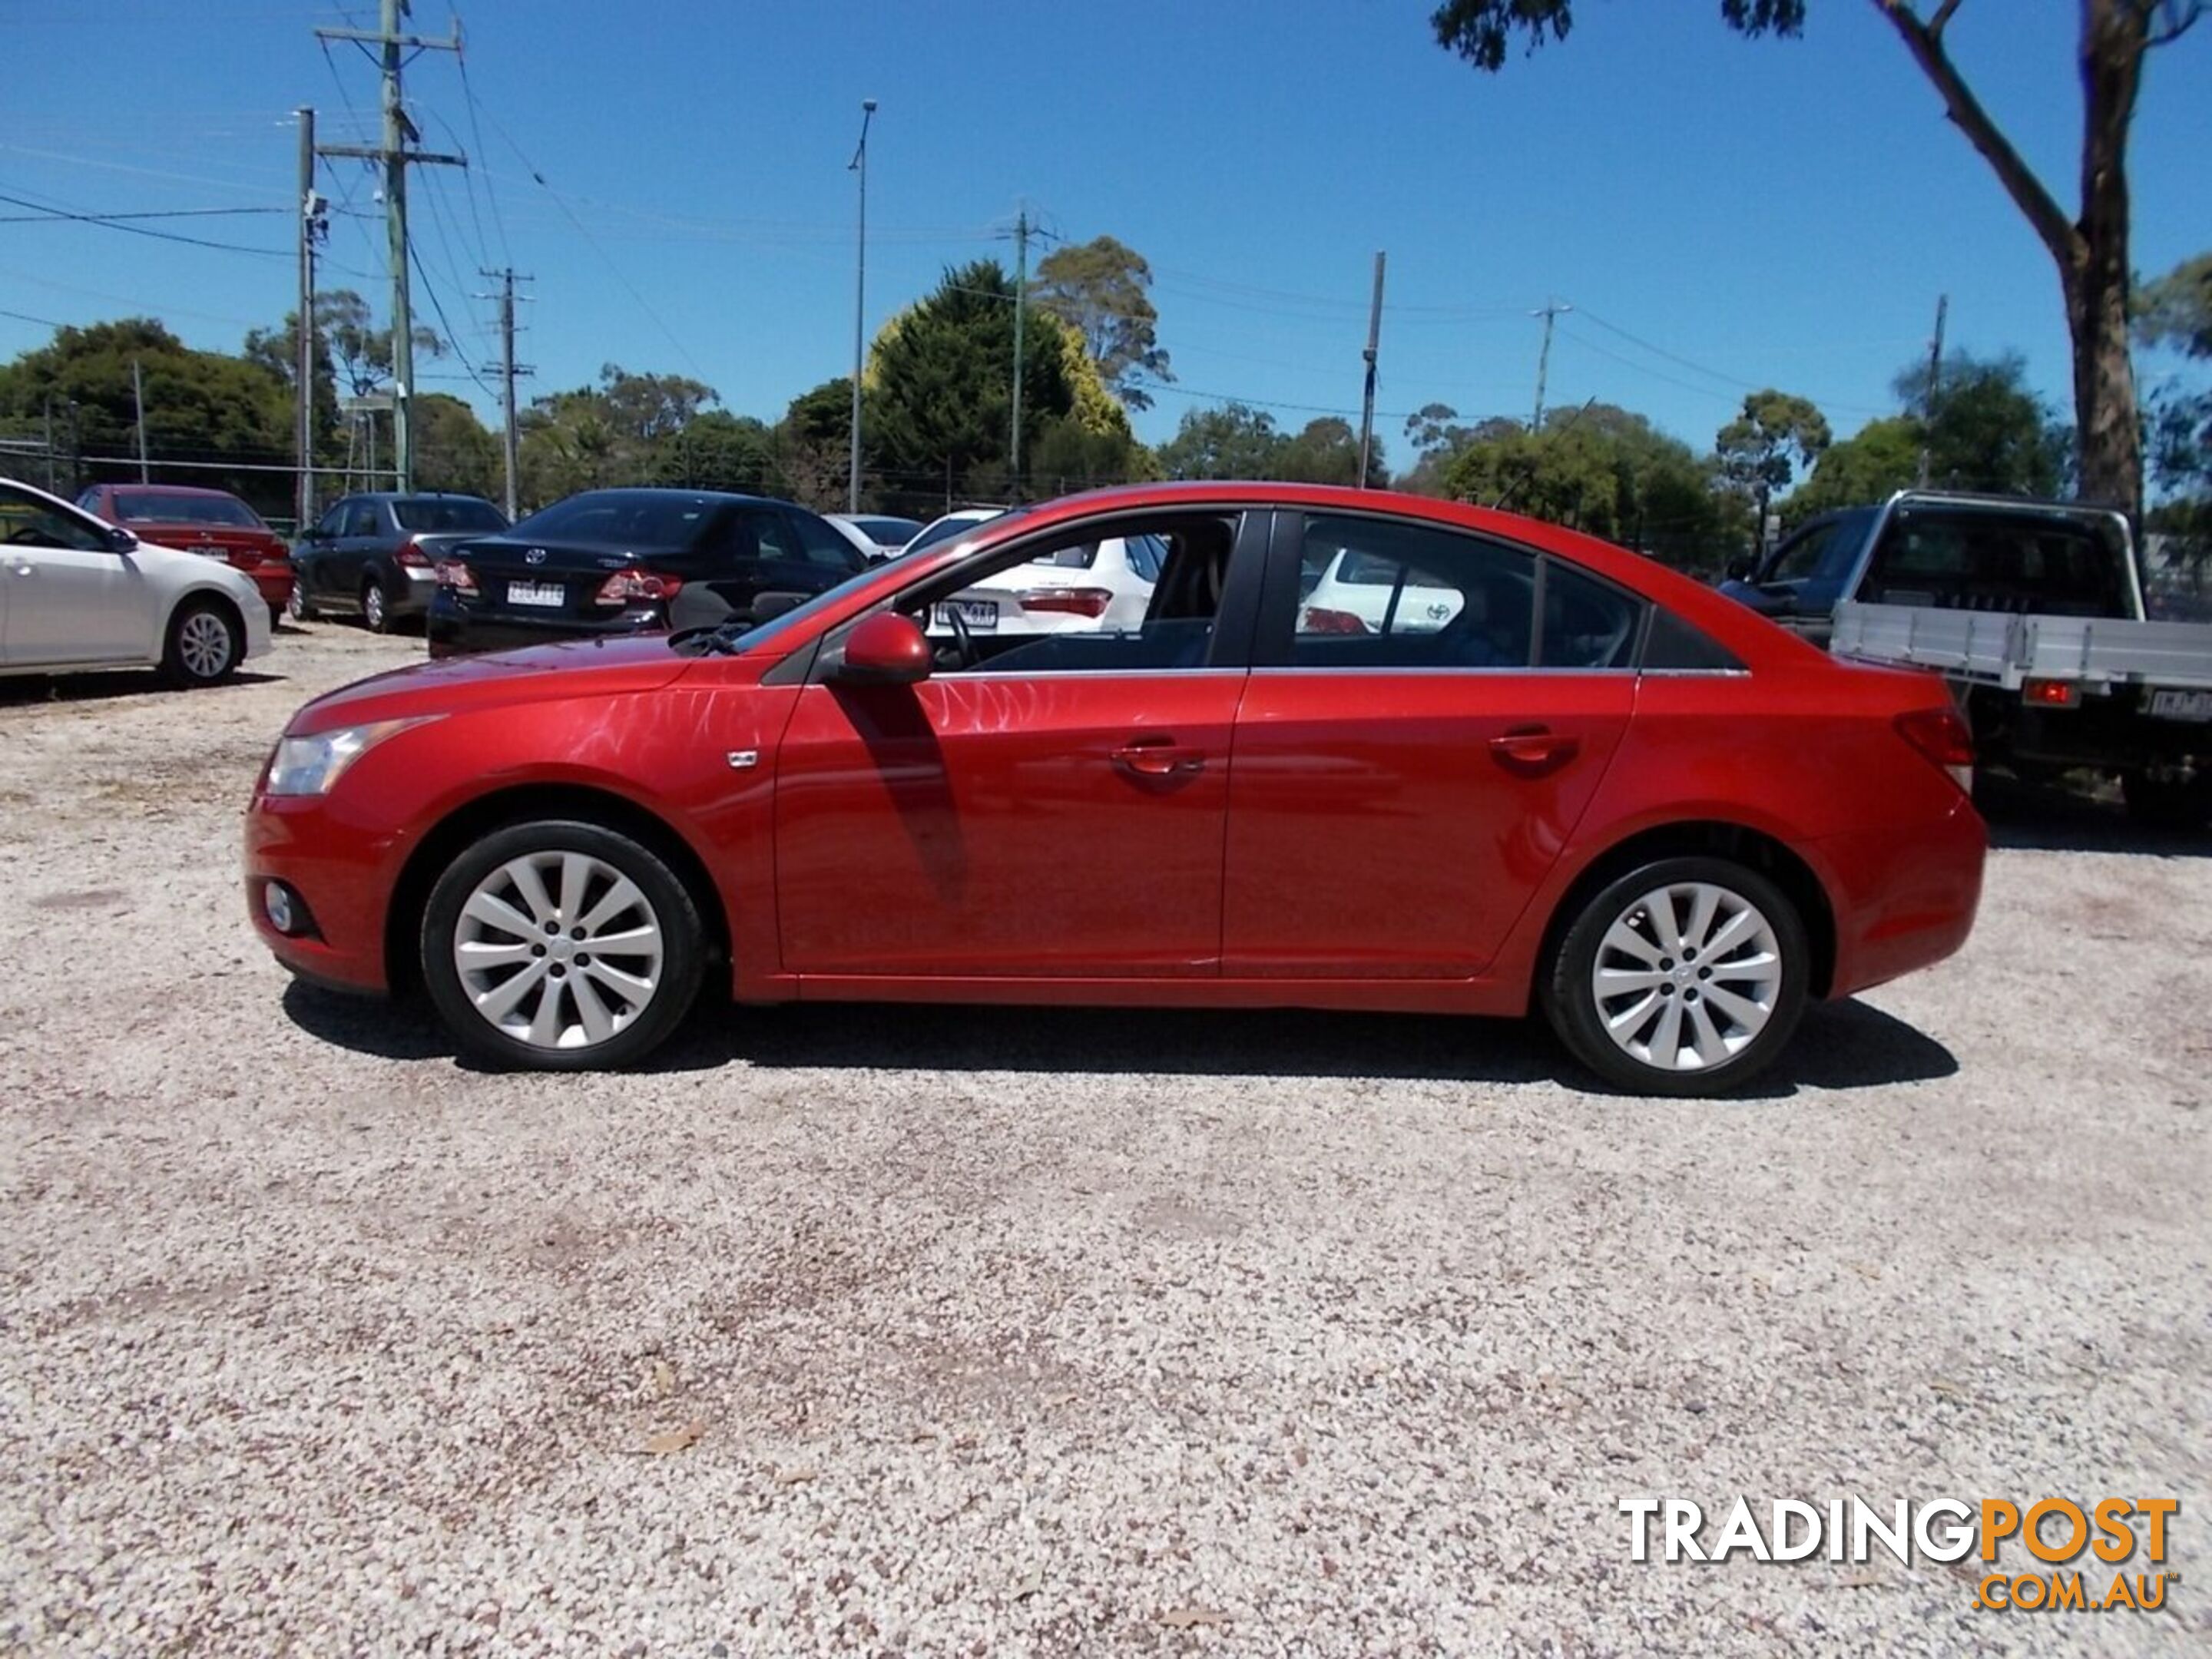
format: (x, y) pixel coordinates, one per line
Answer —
(1396, 595)
(2005, 562)
(174, 507)
(1053, 606)
(1146, 554)
(434, 514)
(820, 545)
(328, 522)
(1588, 623)
(361, 520)
(943, 530)
(27, 521)
(625, 518)
(1819, 551)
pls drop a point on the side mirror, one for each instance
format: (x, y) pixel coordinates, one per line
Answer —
(766, 607)
(1741, 570)
(884, 649)
(120, 540)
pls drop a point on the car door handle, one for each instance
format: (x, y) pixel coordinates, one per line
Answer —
(1157, 757)
(1533, 749)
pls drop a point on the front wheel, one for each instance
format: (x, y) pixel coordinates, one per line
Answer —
(561, 946)
(1683, 978)
(206, 641)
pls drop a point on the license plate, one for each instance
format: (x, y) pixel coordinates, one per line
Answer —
(536, 593)
(2181, 705)
(979, 614)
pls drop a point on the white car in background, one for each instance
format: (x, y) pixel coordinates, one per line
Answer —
(1360, 593)
(1101, 586)
(77, 593)
(959, 522)
(879, 536)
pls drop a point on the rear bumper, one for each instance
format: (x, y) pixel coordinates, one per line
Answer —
(273, 582)
(1904, 899)
(456, 628)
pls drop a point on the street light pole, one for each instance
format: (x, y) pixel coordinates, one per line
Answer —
(860, 165)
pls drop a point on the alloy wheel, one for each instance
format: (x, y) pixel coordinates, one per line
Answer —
(558, 950)
(371, 606)
(204, 645)
(1686, 976)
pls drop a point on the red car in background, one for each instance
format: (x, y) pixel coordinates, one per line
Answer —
(194, 520)
(1525, 769)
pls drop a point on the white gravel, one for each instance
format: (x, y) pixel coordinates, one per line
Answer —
(936, 1331)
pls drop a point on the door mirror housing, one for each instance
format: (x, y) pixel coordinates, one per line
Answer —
(120, 540)
(884, 649)
(1741, 570)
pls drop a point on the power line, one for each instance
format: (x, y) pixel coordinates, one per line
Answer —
(141, 230)
(117, 218)
(469, 95)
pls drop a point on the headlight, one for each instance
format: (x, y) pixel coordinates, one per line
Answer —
(312, 766)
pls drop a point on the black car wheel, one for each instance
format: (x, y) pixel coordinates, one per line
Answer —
(375, 608)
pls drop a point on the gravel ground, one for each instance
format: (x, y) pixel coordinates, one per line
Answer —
(951, 1331)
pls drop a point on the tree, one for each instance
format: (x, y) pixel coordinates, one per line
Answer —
(1438, 440)
(1327, 452)
(2090, 250)
(200, 407)
(1762, 448)
(1882, 458)
(1101, 290)
(811, 445)
(452, 450)
(942, 373)
(718, 451)
(1231, 442)
(2175, 313)
(1986, 430)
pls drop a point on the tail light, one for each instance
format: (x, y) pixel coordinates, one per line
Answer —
(1944, 738)
(452, 574)
(1067, 601)
(2051, 694)
(636, 587)
(411, 555)
(1320, 619)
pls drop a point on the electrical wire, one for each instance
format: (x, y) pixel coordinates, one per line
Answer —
(141, 230)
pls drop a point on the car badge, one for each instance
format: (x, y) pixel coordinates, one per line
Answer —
(536, 556)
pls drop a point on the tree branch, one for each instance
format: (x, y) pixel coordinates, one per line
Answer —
(1966, 113)
(1941, 17)
(2181, 16)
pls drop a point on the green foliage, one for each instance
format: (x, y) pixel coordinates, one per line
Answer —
(594, 437)
(452, 450)
(2176, 310)
(1101, 290)
(1881, 459)
(1231, 442)
(940, 416)
(200, 406)
(1762, 448)
(718, 451)
(1480, 31)
(1327, 452)
(1988, 430)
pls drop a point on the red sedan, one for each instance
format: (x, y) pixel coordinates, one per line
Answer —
(193, 520)
(1503, 766)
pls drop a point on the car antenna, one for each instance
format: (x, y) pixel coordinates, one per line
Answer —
(1529, 470)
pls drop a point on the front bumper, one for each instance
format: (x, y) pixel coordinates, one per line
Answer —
(340, 874)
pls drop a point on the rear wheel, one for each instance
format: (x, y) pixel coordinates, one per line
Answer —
(1686, 976)
(206, 639)
(561, 946)
(298, 607)
(375, 608)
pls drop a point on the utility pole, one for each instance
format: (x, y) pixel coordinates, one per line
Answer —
(1021, 286)
(509, 369)
(399, 132)
(303, 369)
(1374, 343)
(1934, 383)
(138, 397)
(1550, 311)
(860, 165)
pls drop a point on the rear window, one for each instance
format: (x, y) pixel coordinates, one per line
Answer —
(626, 520)
(2008, 562)
(886, 533)
(943, 530)
(434, 514)
(170, 506)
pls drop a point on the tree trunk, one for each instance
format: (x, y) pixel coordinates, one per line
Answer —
(2107, 436)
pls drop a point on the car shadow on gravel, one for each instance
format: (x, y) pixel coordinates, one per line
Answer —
(2061, 818)
(1848, 1045)
(104, 685)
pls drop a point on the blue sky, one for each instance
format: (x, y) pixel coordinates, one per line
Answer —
(1722, 215)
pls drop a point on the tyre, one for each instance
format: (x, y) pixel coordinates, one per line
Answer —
(2169, 801)
(375, 608)
(558, 945)
(206, 641)
(297, 607)
(1686, 976)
